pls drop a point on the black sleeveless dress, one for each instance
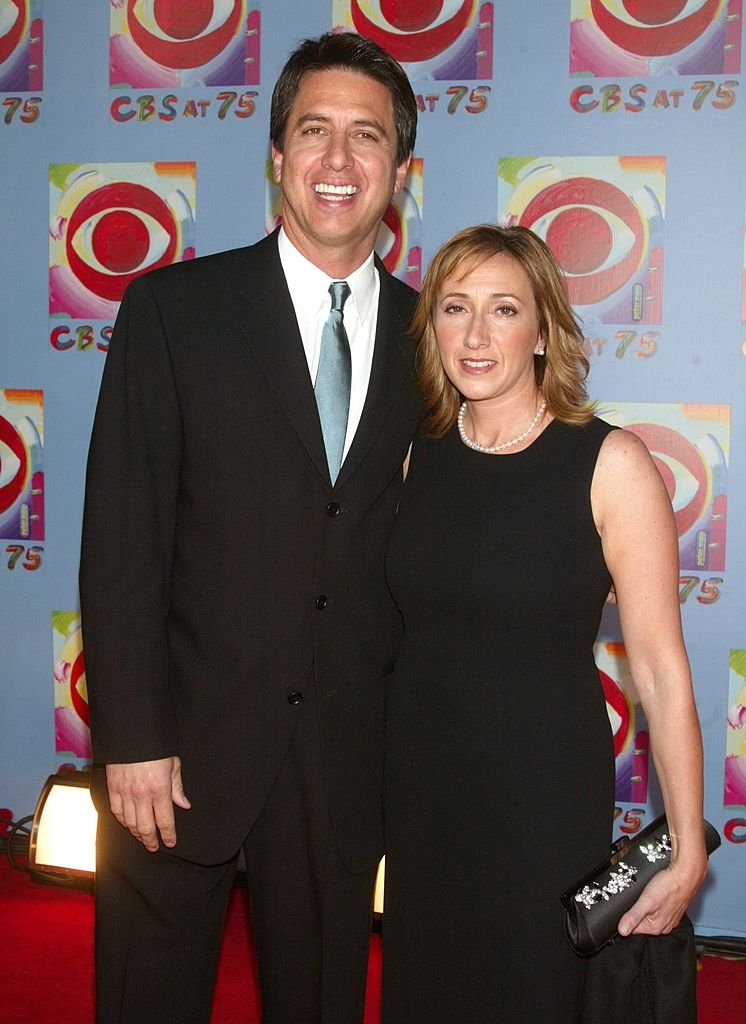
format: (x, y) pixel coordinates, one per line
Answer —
(499, 789)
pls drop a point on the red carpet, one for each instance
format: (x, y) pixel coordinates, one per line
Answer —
(46, 974)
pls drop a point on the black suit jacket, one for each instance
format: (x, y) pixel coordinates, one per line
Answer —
(221, 573)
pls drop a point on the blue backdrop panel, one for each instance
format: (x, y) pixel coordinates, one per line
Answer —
(131, 138)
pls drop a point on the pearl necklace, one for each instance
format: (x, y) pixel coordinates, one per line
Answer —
(496, 447)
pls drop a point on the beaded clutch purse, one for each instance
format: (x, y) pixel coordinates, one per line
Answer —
(596, 904)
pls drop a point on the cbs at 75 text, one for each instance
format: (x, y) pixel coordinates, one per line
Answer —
(168, 108)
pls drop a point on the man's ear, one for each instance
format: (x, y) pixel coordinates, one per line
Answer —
(401, 174)
(276, 164)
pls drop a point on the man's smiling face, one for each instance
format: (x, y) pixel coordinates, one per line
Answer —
(338, 167)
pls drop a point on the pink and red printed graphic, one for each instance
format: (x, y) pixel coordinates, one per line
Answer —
(169, 43)
(21, 464)
(603, 219)
(21, 46)
(433, 39)
(628, 725)
(110, 223)
(735, 741)
(689, 445)
(71, 726)
(632, 38)
(399, 241)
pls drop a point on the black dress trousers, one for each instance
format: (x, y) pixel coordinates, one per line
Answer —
(159, 918)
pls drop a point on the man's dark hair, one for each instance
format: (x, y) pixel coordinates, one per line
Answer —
(350, 52)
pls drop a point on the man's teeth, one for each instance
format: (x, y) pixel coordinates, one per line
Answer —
(335, 190)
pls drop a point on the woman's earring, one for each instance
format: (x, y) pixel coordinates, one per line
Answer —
(541, 351)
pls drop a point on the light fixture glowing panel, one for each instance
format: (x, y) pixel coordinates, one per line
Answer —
(63, 835)
(379, 889)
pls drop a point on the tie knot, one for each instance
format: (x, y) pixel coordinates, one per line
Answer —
(339, 291)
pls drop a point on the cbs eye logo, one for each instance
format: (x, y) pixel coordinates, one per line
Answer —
(399, 241)
(630, 742)
(605, 234)
(21, 468)
(695, 475)
(166, 43)
(689, 36)
(619, 710)
(439, 39)
(390, 240)
(595, 232)
(14, 476)
(111, 224)
(21, 33)
(71, 717)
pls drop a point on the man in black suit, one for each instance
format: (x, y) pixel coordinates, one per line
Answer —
(238, 627)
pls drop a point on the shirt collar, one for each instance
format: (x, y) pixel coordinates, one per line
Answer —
(309, 286)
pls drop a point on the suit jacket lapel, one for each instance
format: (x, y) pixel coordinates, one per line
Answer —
(392, 363)
(271, 330)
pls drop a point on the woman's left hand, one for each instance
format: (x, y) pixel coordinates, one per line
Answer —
(663, 901)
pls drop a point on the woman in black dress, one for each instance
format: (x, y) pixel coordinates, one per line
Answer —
(520, 511)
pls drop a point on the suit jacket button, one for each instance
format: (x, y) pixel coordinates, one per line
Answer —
(332, 509)
(295, 697)
(321, 602)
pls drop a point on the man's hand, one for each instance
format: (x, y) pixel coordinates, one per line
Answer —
(142, 796)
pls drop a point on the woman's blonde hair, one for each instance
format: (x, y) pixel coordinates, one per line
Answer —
(560, 373)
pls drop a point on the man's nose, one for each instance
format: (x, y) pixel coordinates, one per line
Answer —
(338, 153)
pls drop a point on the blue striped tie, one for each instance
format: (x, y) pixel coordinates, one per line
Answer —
(332, 388)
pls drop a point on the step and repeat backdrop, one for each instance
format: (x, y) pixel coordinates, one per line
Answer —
(134, 134)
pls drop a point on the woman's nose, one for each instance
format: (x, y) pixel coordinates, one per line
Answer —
(476, 335)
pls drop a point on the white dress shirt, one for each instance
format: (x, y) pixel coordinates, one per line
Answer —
(309, 290)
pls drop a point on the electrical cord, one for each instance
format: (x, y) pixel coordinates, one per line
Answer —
(727, 947)
(15, 841)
